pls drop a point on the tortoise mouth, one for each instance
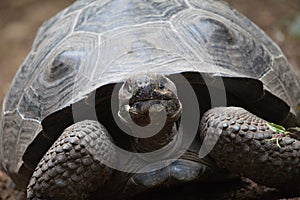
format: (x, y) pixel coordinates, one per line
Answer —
(156, 95)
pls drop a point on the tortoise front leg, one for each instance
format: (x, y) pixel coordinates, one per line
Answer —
(73, 167)
(247, 146)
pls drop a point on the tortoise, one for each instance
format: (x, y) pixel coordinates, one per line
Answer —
(120, 97)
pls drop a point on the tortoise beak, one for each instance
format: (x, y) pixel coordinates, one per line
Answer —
(139, 111)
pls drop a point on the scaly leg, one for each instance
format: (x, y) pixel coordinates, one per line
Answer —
(74, 166)
(247, 147)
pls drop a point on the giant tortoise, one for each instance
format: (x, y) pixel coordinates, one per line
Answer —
(120, 97)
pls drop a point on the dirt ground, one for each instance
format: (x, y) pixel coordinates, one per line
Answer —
(19, 20)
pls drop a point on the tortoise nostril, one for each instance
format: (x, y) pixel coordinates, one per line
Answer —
(143, 82)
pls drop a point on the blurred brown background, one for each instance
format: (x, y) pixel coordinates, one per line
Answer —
(19, 20)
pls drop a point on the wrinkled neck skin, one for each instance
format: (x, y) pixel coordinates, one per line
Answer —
(158, 141)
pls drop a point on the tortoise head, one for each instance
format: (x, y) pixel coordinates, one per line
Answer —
(146, 93)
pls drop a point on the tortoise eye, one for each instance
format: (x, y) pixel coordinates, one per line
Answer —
(161, 86)
(128, 87)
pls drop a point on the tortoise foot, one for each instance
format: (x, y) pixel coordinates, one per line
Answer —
(247, 146)
(74, 166)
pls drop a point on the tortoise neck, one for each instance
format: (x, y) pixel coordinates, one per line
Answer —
(158, 141)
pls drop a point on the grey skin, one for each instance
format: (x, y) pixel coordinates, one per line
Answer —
(71, 168)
